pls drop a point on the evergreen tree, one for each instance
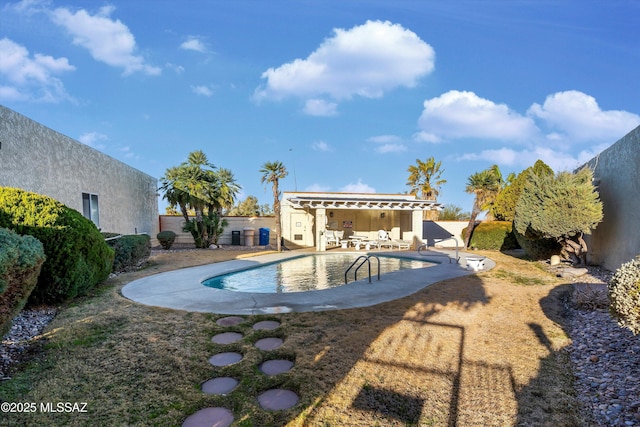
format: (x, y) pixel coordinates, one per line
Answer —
(563, 208)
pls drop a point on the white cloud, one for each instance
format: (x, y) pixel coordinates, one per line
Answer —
(575, 117)
(457, 114)
(31, 77)
(521, 159)
(202, 90)
(359, 187)
(388, 144)
(94, 139)
(318, 188)
(391, 148)
(321, 146)
(320, 107)
(366, 60)
(106, 39)
(195, 44)
(178, 69)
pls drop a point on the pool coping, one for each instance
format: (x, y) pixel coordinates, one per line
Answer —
(183, 290)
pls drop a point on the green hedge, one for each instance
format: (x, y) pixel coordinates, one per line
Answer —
(21, 259)
(493, 235)
(130, 251)
(77, 256)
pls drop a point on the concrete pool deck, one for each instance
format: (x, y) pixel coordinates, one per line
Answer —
(183, 289)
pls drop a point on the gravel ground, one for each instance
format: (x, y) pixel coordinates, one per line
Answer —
(605, 357)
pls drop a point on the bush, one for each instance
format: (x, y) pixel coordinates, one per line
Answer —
(166, 239)
(21, 259)
(494, 235)
(130, 251)
(624, 295)
(538, 249)
(77, 256)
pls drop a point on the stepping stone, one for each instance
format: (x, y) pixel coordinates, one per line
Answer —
(266, 325)
(229, 321)
(276, 366)
(267, 344)
(219, 417)
(225, 359)
(278, 399)
(221, 385)
(226, 337)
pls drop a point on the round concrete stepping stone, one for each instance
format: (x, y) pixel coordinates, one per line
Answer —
(277, 399)
(266, 325)
(267, 344)
(229, 321)
(218, 417)
(226, 337)
(225, 359)
(276, 366)
(220, 385)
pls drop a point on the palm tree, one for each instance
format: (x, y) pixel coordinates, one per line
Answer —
(273, 172)
(485, 186)
(425, 178)
(196, 185)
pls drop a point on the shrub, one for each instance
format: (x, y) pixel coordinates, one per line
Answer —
(77, 256)
(495, 235)
(166, 239)
(21, 259)
(130, 251)
(624, 295)
(563, 207)
(538, 249)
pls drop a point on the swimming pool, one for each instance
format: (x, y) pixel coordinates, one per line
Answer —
(307, 273)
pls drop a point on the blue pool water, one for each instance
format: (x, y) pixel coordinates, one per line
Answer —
(307, 273)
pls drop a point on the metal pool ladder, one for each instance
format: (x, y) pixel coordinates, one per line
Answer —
(362, 259)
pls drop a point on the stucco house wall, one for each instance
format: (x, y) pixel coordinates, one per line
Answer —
(38, 159)
(616, 239)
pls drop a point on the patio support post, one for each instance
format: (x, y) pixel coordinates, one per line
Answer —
(416, 228)
(321, 226)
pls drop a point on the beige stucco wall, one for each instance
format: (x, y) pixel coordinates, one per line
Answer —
(234, 223)
(38, 159)
(617, 174)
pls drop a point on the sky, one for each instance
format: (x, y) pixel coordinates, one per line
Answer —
(346, 94)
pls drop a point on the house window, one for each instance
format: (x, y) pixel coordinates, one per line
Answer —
(90, 208)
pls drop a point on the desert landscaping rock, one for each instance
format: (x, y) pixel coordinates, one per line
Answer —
(267, 344)
(220, 385)
(226, 338)
(277, 399)
(266, 325)
(229, 321)
(275, 367)
(218, 417)
(225, 359)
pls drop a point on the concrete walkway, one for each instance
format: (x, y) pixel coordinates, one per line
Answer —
(183, 289)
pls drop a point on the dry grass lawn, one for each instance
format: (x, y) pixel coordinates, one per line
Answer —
(483, 350)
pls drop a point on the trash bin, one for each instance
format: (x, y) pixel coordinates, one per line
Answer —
(248, 236)
(264, 236)
(235, 237)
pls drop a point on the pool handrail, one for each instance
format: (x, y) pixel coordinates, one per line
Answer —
(364, 258)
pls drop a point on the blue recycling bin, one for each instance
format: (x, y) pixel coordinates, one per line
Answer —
(264, 236)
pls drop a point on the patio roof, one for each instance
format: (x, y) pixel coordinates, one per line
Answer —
(373, 203)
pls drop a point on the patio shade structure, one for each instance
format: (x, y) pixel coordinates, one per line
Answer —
(307, 215)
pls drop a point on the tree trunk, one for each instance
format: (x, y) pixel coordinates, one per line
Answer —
(276, 209)
(471, 226)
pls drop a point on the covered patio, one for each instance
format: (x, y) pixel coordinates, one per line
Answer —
(306, 217)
